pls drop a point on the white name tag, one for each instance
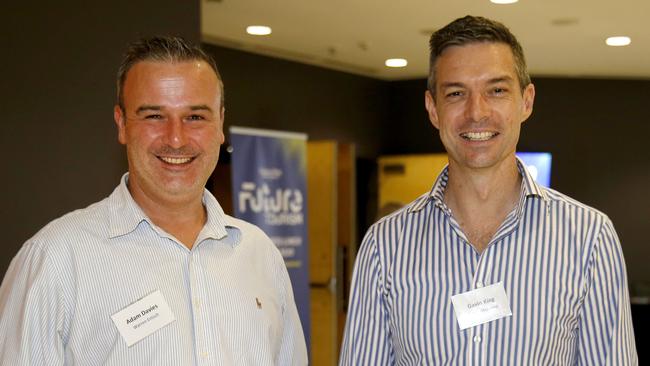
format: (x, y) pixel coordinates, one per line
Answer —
(481, 305)
(142, 318)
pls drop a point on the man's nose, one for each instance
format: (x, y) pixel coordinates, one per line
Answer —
(175, 134)
(478, 108)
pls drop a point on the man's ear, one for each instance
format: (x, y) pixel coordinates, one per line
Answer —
(430, 104)
(120, 121)
(529, 100)
(222, 114)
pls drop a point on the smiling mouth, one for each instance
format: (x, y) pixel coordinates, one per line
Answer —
(478, 136)
(175, 161)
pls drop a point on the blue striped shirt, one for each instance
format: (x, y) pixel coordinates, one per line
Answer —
(230, 294)
(560, 263)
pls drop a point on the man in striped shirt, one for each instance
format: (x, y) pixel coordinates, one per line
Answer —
(488, 268)
(156, 273)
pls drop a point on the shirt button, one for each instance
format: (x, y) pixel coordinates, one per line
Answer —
(479, 284)
(477, 339)
(197, 304)
(204, 355)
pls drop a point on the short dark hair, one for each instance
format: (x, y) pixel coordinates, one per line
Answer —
(161, 49)
(472, 29)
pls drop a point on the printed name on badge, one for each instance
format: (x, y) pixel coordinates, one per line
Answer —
(481, 305)
(142, 318)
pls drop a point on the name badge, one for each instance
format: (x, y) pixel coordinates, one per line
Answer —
(143, 317)
(481, 305)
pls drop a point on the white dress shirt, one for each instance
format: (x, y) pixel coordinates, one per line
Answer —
(230, 294)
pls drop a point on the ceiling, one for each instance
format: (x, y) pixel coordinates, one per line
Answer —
(560, 37)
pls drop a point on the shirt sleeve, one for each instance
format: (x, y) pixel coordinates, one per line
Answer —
(606, 336)
(293, 350)
(367, 338)
(31, 311)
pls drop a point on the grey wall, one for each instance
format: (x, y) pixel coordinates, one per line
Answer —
(58, 141)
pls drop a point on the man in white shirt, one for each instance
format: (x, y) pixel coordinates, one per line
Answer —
(155, 273)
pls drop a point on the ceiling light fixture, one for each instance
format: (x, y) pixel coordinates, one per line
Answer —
(500, 2)
(396, 62)
(258, 30)
(618, 41)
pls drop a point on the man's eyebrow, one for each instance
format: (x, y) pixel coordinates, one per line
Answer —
(201, 107)
(501, 79)
(148, 107)
(495, 80)
(452, 84)
(157, 108)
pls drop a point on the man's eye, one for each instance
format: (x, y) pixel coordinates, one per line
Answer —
(195, 117)
(499, 90)
(153, 116)
(454, 94)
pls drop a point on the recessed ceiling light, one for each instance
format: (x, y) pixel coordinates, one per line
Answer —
(503, 1)
(258, 30)
(618, 41)
(396, 62)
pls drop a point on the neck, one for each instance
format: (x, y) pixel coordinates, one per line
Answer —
(482, 186)
(480, 199)
(182, 218)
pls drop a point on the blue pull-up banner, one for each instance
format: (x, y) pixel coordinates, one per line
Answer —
(269, 180)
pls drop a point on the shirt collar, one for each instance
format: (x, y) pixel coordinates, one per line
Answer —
(529, 188)
(215, 225)
(124, 214)
(436, 194)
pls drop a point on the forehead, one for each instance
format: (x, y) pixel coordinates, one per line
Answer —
(154, 81)
(479, 59)
(144, 71)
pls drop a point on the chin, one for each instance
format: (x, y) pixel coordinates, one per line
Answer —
(486, 162)
(181, 187)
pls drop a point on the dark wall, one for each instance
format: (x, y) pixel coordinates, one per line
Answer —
(60, 150)
(58, 141)
(593, 128)
(596, 131)
(265, 92)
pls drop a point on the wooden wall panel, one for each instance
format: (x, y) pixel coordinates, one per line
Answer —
(322, 208)
(324, 334)
(403, 178)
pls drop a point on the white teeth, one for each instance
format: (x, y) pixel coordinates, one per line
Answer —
(478, 136)
(175, 160)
